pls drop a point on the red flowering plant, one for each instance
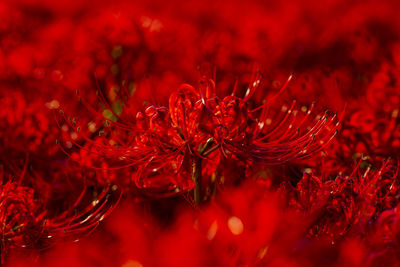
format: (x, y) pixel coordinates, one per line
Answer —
(42, 199)
(347, 204)
(36, 213)
(20, 217)
(205, 137)
(370, 130)
(180, 148)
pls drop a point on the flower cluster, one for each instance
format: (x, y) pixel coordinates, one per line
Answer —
(181, 147)
(220, 167)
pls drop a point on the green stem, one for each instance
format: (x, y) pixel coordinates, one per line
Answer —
(196, 176)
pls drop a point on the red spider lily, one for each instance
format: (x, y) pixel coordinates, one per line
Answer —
(29, 219)
(243, 131)
(19, 217)
(346, 203)
(364, 134)
(169, 145)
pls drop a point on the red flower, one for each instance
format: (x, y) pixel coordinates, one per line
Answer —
(168, 146)
(348, 203)
(28, 216)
